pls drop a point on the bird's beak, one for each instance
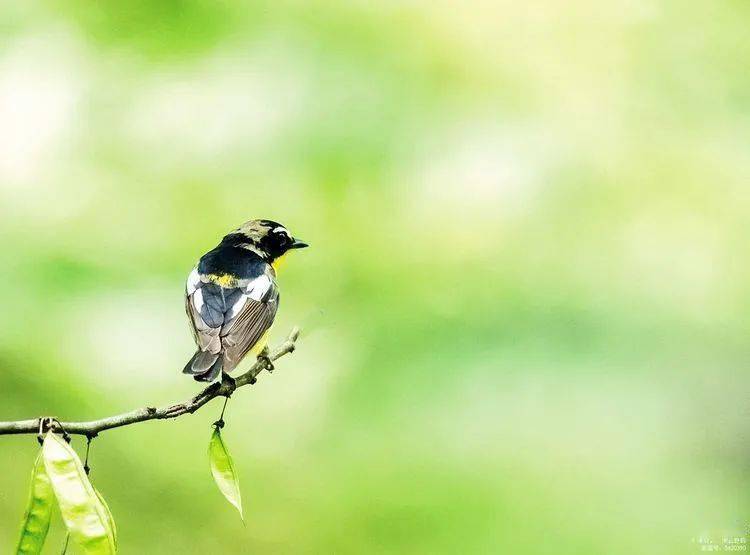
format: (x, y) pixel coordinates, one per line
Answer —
(299, 244)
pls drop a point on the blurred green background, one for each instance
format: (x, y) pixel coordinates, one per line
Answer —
(525, 305)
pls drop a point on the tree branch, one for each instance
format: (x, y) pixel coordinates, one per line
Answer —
(94, 427)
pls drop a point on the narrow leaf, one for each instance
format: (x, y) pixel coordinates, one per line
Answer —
(83, 513)
(223, 471)
(110, 518)
(36, 520)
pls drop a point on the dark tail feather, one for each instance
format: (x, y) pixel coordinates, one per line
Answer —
(201, 361)
(204, 366)
(212, 373)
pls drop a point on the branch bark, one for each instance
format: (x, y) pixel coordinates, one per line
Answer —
(94, 427)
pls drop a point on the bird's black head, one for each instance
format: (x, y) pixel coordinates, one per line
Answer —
(270, 239)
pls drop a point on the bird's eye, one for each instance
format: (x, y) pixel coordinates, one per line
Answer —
(283, 237)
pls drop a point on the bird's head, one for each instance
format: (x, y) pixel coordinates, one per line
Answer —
(269, 239)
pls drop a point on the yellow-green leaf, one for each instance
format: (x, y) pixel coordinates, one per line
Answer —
(83, 512)
(38, 511)
(110, 518)
(223, 470)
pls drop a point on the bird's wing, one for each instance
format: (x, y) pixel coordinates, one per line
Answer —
(252, 321)
(201, 314)
(190, 311)
(230, 319)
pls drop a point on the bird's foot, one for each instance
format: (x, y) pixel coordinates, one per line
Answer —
(229, 380)
(265, 359)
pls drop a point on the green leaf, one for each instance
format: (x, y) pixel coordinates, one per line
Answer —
(223, 470)
(38, 511)
(84, 514)
(110, 518)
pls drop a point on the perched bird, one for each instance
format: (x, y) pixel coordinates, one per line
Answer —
(231, 297)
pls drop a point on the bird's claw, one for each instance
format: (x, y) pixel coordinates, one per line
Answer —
(227, 379)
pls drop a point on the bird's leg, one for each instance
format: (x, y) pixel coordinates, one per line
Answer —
(265, 359)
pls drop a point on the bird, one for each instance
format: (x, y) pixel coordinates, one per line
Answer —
(231, 297)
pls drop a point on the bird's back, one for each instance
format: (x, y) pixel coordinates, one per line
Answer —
(229, 260)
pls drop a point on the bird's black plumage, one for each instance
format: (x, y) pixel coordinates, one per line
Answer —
(230, 259)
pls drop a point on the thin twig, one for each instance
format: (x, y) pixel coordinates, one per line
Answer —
(217, 389)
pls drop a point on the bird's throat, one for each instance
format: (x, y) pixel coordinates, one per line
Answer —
(279, 262)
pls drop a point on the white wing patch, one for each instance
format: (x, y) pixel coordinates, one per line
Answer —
(258, 287)
(192, 281)
(237, 306)
(198, 299)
